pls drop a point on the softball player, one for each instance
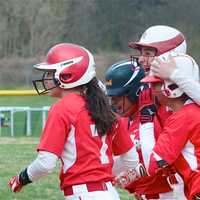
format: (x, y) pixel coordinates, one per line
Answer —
(161, 41)
(178, 144)
(123, 86)
(80, 130)
(158, 41)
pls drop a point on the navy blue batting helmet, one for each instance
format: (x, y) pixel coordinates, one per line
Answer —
(123, 78)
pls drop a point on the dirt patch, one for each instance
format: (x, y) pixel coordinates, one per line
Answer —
(24, 140)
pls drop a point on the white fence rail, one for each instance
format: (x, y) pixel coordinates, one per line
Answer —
(28, 110)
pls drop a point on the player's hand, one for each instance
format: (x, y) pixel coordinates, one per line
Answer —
(125, 178)
(15, 184)
(147, 106)
(163, 68)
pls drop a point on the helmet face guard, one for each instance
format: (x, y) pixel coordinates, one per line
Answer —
(41, 87)
(147, 54)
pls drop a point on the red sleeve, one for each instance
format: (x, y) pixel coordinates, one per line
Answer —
(122, 142)
(55, 133)
(173, 138)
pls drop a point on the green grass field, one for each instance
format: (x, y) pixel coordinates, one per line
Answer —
(16, 153)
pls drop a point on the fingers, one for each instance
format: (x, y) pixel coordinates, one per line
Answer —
(157, 61)
(14, 184)
(155, 65)
(171, 59)
(143, 95)
(163, 68)
(125, 178)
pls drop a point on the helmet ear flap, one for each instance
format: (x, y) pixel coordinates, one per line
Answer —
(65, 78)
(171, 90)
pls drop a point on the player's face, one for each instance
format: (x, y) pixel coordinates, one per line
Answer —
(146, 57)
(121, 104)
(49, 83)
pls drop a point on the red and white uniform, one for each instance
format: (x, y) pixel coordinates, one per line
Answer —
(163, 113)
(138, 138)
(156, 186)
(71, 135)
(179, 144)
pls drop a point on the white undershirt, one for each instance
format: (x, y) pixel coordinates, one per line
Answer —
(128, 160)
(42, 165)
(46, 162)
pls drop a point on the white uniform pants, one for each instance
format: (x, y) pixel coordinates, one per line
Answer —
(109, 194)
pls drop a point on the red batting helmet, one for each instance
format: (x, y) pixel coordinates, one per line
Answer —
(73, 65)
(163, 38)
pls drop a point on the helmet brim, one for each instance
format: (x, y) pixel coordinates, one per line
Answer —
(65, 63)
(139, 45)
(160, 46)
(44, 66)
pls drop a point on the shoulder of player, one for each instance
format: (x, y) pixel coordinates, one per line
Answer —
(69, 106)
(186, 115)
(71, 101)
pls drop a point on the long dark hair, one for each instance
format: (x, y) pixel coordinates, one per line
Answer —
(99, 108)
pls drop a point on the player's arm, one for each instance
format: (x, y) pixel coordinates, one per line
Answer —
(45, 161)
(126, 161)
(127, 168)
(170, 143)
(41, 166)
(126, 165)
(147, 111)
(168, 70)
(188, 85)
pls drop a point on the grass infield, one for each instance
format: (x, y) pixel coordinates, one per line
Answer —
(17, 153)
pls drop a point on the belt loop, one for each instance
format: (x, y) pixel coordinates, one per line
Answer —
(104, 186)
(79, 188)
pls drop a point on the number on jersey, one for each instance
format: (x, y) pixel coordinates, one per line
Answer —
(103, 157)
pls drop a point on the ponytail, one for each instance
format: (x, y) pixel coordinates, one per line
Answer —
(99, 108)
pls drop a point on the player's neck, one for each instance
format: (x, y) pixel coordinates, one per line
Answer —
(68, 91)
(175, 104)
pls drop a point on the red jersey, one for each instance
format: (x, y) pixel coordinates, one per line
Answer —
(163, 112)
(151, 185)
(70, 134)
(179, 144)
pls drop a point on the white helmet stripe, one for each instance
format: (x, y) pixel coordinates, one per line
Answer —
(66, 63)
(124, 63)
(132, 77)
